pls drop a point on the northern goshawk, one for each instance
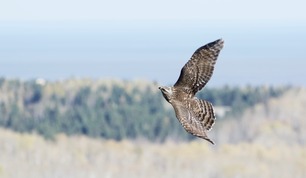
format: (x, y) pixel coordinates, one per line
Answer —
(196, 116)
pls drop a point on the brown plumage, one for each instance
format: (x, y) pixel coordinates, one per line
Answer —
(196, 116)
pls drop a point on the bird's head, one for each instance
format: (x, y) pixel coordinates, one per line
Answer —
(167, 92)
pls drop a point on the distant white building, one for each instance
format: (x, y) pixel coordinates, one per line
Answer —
(221, 110)
(40, 81)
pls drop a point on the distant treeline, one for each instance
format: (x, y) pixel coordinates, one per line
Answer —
(108, 108)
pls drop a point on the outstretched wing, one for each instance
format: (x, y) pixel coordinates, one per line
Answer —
(198, 70)
(197, 117)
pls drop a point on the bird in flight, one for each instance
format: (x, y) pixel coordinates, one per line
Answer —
(196, 115)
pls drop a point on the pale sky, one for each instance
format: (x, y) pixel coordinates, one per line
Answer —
(43, 10)
(57, 39)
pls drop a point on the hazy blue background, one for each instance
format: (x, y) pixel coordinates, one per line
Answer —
(264, 40)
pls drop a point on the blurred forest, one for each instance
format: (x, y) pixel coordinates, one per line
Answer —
(112, 128)
(118, 129)
(110, 109)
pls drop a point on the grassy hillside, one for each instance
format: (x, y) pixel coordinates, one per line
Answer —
(24, 155)
(267, 141)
